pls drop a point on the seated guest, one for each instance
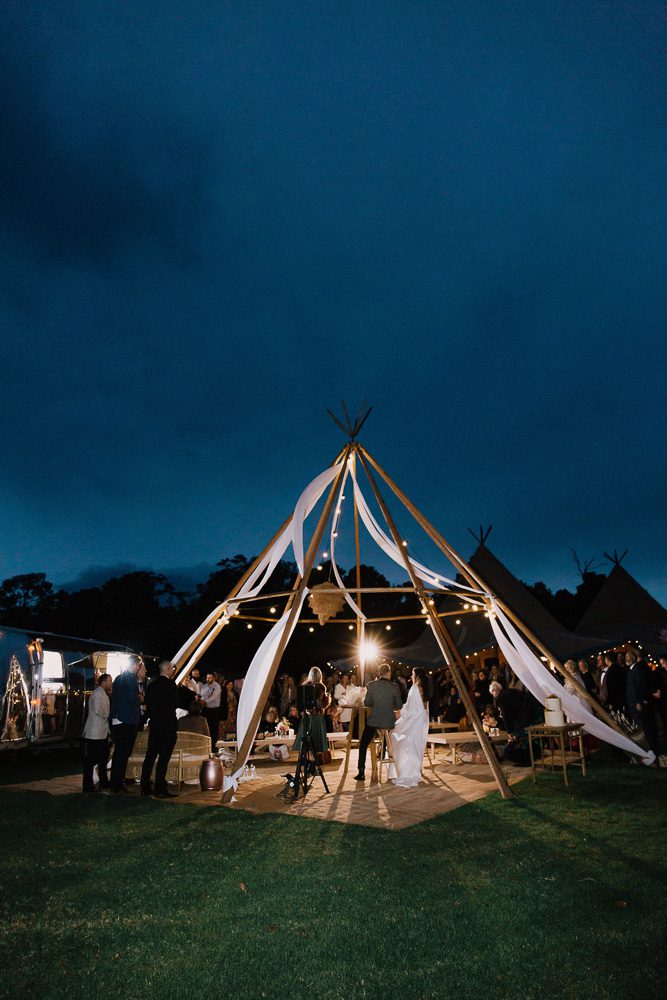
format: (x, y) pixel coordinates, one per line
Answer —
(517, 709)
(293, 718)
(187, 699)
(270, 721)
(194, 722)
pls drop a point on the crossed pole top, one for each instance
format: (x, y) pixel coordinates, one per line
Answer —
(349, 427)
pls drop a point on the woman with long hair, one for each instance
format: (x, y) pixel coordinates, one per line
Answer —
(314, 716)
(408, 739)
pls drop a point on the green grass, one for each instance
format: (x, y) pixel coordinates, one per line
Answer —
(557, 893)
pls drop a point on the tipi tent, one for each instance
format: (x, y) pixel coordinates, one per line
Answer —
(351, 466)
(623, 611)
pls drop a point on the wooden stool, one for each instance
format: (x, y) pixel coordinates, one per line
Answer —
(383, 741)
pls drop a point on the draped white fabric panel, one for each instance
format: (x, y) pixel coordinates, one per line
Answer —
(257, 674)
(262, 572)
(539, 680)
(263, 658)
(305, 504)
(428, 576)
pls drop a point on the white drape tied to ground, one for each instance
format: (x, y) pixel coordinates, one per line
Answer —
(258, 670)
(539, 680)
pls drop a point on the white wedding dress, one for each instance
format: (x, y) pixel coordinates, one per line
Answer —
(408, 741)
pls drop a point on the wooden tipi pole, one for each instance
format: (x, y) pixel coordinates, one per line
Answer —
(475, 580)
(444, 641)
(292, 609)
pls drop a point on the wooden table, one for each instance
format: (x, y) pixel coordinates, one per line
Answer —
(453, 740)
(552, 741)
(442, 727)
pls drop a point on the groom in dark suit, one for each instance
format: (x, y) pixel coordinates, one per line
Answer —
(383, 697)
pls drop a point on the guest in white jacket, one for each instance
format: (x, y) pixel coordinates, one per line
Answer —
(96, 735)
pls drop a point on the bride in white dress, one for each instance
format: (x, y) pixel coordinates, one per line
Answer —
(408, 738)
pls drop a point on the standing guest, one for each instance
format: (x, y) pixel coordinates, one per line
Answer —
(141, 684)
(480, 692)
(125, 718)
(639, 698)
(194, 681)
(96, 735)
(312, 720)
(588, 679)
(340, 693)
(229, 725)
(573, 671)
(287, 694)
(661, 692)
(161, 705)
(210, 694)
(612, 683)
(384, 700)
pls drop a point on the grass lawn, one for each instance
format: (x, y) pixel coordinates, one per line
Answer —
(559, 893)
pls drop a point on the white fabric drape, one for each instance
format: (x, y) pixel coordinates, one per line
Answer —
(428, 576)
(261, 663)
(257, 580)
(539, 680)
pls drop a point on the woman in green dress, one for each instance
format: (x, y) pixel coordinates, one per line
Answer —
(315, 716)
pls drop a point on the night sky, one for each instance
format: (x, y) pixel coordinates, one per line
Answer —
(220, 219)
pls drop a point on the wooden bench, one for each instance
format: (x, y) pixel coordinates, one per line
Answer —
(190, 751)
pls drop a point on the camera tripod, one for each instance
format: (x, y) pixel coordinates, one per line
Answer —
(307, 768)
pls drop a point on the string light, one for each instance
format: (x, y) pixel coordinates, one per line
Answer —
(311, 629)
(458, 621)
(350, 627)
(388, 628)
(272, 611)
(325, 555)
(249, 625)
(404, 544)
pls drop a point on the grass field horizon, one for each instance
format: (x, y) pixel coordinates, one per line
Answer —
(556, 893)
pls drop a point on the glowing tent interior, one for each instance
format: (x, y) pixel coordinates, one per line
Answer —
(517, 643)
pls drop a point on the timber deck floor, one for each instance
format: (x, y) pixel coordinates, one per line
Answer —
(443, 788)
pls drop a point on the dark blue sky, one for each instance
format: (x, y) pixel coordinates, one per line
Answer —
(219, 219)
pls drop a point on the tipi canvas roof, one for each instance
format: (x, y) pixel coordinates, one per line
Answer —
(623, 610)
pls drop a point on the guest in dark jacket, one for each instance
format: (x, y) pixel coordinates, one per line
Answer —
(125, 718)
(161, 705)
(613, 684)
(640, 701)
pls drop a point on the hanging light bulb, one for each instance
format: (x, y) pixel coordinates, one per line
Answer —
(249, 625)
(325, 555)
(272, 611)
(388, 628)
(458, 621)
